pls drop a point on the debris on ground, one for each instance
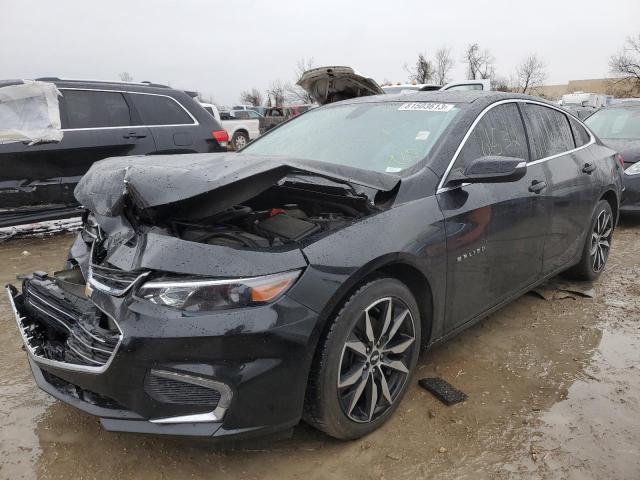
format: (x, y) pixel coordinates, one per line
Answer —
(557, 289)
(444, 391)
(49, 227)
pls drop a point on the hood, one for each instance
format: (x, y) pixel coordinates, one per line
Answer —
(217, 181)
(332, 84)
(629, 149)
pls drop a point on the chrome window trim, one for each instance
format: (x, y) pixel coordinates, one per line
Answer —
(217, 415)
(442, 189)
(55, 363)
(83, 129)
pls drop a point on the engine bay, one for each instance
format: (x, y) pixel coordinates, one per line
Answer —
(278, 217)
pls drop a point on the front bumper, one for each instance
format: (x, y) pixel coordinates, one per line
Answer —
(631, 197)
(260, 355)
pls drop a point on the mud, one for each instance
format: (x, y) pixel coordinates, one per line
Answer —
(553, 385)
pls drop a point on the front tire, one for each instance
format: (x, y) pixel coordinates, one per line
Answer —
(364, 364)
(597, 245)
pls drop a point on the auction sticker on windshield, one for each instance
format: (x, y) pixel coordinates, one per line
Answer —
(427, 107)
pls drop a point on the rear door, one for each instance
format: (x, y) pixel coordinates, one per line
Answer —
(495, 231)
(174, 129)
(572, 187)
(96, 125)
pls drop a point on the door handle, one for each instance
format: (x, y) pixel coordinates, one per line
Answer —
(588, 168)
(537, 186)
(134, 135)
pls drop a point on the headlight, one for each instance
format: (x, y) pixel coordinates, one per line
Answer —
(203, 295)
(633, 169)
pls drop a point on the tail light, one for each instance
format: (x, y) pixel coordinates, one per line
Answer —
(620, 159)
(221, 136)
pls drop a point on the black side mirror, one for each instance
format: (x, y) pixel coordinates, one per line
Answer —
(490, 169)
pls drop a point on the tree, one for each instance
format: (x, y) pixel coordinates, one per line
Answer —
(294, 93)
(423, 71)
(443, 65)
(530, 74)
(125, 77)
(277, 93)
(479, 63)
(626, 63)
(252, 97)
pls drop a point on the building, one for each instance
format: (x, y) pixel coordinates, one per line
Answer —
(610, 86)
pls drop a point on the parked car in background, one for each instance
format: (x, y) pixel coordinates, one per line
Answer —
(581, 112)
(212, 109)
(618, 126)
(241, 129)
(301, 277)
(242, 126)
(585, 99)
(99, 120)
(274, 116)
(483, 84)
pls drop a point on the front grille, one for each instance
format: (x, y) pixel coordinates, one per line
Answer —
(112, 280)
(66, 328)
(160, 387)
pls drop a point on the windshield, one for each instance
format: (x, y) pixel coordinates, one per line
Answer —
(383, 137)
(622, 123)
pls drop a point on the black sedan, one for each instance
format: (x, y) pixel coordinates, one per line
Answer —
(228, 295)
(619, 128)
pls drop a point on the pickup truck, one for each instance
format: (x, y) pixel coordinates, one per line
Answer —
(242, 126)
(274, 116)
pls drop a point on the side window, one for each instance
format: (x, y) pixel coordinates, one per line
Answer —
(160, 110)
(549, 131)
(93, 109)
(580, 134)
(499, 132)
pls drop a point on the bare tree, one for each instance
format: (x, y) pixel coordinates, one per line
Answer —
(530, 74)
(626, 63)
(252, 97)
(443, 65)
(277, 93)
(294, 93)
(423, 71)
(125, 77)
(479, 62)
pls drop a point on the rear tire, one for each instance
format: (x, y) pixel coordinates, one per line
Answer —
(239, 140)
(596, 246)
(363, 366)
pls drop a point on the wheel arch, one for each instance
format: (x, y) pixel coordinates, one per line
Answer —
(400, 266)
(612, 198)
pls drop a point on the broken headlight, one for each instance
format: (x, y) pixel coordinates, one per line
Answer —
(203, 295)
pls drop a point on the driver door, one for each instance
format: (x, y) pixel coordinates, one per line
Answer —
(495, 231)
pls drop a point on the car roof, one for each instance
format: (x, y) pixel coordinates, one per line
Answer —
(457, 96)
(147, 87)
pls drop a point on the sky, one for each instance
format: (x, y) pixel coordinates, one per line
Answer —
(221, 48)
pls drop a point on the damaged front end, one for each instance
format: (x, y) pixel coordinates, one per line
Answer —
(178, 277)
(60, 326)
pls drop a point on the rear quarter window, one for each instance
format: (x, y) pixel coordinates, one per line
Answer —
(93, 109)
(549, 131)
(160, 110)
(580, 134)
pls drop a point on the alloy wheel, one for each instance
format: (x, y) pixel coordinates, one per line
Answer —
(240, 142)
(376, 360)
(601, 240)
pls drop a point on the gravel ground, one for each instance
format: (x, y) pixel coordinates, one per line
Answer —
(553, 385)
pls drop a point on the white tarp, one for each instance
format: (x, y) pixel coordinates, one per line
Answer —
(30, 112)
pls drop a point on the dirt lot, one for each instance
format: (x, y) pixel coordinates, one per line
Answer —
(553, 385)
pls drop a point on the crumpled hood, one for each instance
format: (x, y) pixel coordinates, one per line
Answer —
(629, 149)
(219, 179)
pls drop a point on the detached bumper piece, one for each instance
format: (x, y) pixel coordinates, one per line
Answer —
(61, 327)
